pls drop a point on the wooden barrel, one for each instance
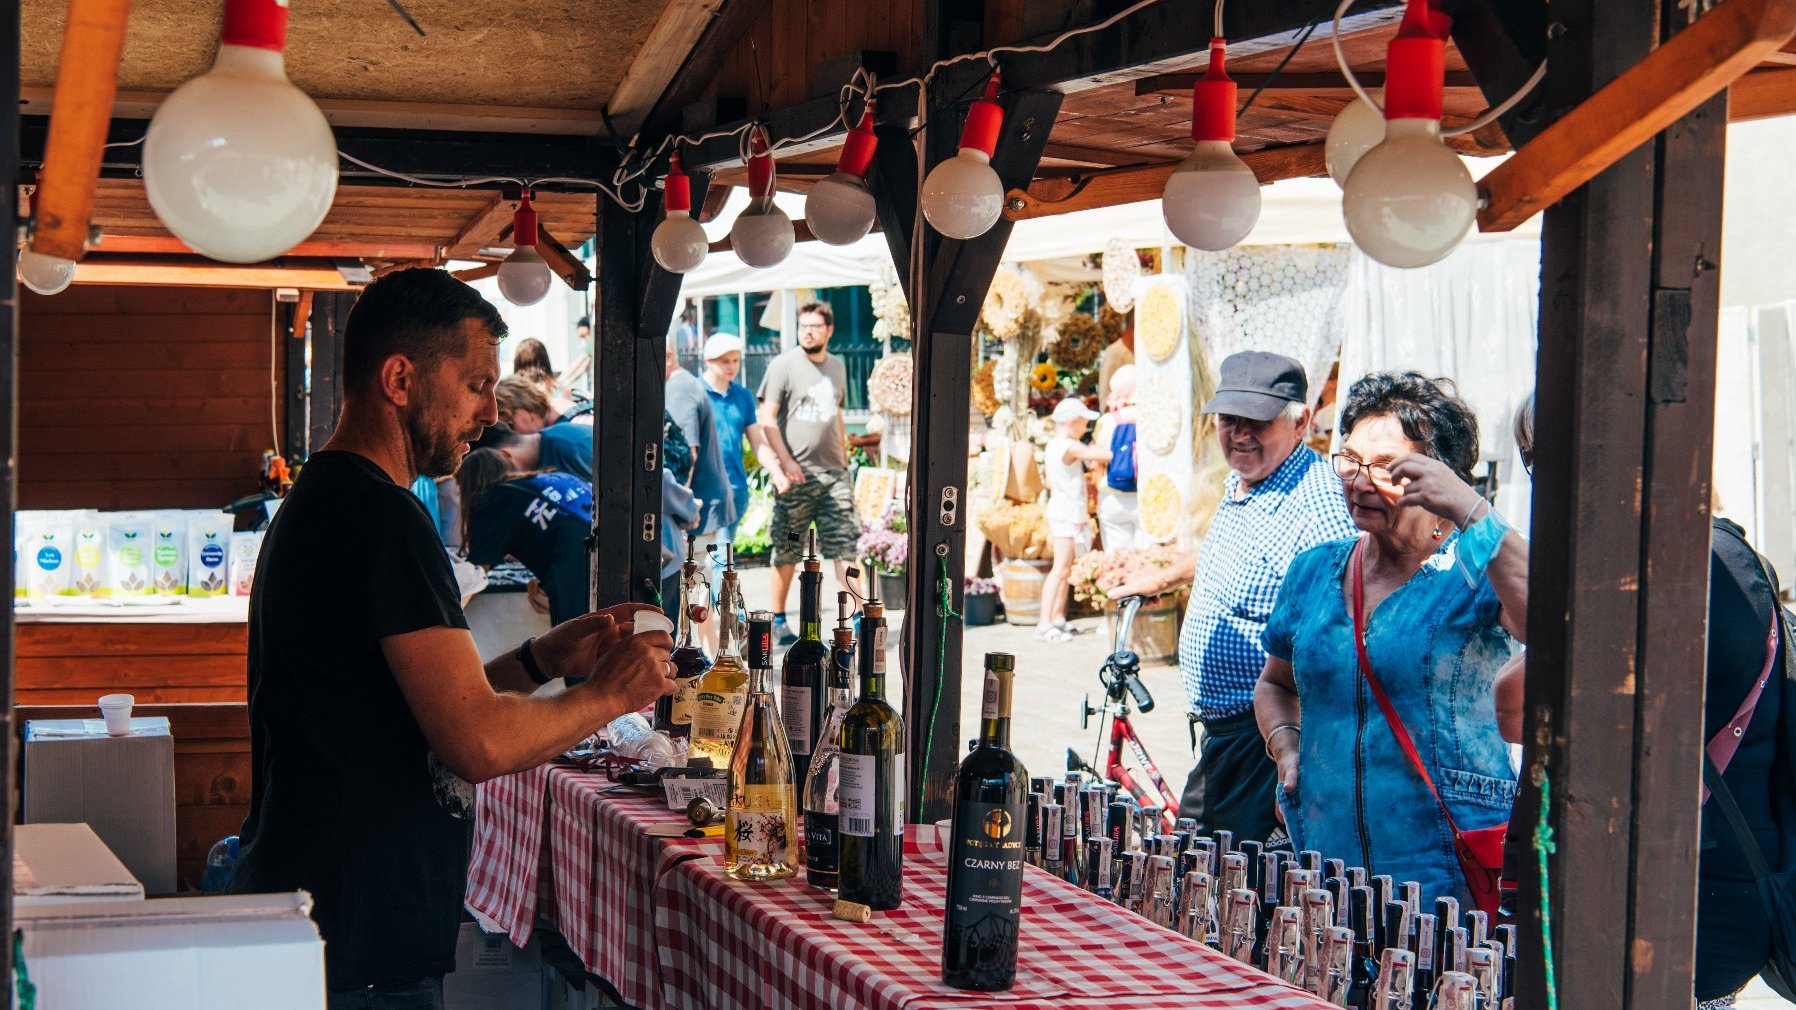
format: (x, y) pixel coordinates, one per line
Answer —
(1020, 585)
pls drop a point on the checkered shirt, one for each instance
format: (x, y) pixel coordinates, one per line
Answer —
(1251, 542)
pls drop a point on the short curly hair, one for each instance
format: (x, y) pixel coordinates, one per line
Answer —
(1430, 411)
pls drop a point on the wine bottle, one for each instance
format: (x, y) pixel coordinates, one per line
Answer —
(673, 712)
(763, 805)
(804, 684)
(723, 690)
(983, 914)
(822, 808)
(871, 781)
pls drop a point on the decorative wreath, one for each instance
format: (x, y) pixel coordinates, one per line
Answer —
(1159, 318)
(1161, 503)
(1122, 268)
(888, 386)
(1004, 380)
(1081, 341)
(985, 392)
(1005, 302)
(1045, 377)
(1114, 322)
(1159, 412)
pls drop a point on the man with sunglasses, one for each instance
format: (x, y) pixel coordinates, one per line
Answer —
(1281, 498)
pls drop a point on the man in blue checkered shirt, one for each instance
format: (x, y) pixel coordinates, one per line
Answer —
(1281, 499)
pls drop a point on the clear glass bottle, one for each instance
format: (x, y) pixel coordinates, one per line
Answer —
(723, 690)
(822, 844)
(763, 807)
(871, 781)
(673, 712)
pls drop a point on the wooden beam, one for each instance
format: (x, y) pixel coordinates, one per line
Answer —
(1047, 197)
(1762, 94)
(801, 232)
(676, 34)
(1502, 41)
(483, 229)
(199, 272)
(437, 116)
(566, 265)
(1095, 156)
(1667, 84)
(1327, 84)
(169, 245)
(716, 196)
(699, 68)
(93, 39)
(476, 273)
(9, 451)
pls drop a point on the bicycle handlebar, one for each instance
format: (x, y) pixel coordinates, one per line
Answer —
(1126, 608)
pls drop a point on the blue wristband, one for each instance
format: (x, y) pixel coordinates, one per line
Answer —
(1478, 545)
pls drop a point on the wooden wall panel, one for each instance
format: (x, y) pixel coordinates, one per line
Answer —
(73, 664)
(797, 35)
(144, 397)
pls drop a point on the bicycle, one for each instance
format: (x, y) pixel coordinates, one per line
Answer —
(1121, 677)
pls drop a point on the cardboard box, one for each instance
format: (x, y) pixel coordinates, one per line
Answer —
(492, 973)
(123, 787)
(59, 864)
(219, 952)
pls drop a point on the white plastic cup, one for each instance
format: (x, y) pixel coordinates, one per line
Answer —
(652, 620)
(117, 710)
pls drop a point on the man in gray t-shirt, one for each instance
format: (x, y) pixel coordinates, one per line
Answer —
(800, 413)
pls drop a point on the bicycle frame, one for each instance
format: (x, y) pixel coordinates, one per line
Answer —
(1119, 680)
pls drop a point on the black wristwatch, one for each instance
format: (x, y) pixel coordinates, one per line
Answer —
(529, 662)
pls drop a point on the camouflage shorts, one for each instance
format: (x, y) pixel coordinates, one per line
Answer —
(826, 499)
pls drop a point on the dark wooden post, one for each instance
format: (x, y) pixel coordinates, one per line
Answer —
(635, 306)
(9, 453)
(947, 285)
(1626, 372)
(330, 315)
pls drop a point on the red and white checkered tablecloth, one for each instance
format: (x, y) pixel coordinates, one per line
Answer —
(723, 943)
(507, 853)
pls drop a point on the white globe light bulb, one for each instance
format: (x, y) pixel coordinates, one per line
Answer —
(524, 278)
(46, 275)
(679, 243)
(839, 210)
(963, 197)
(1410, 200)
(239, 163)
(1357, 129)
(762, 234)
(1212, 199)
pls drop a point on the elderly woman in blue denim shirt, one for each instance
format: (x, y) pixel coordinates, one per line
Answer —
(1445, 596)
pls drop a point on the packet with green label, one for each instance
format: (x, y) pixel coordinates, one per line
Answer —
(128, 550)
(168, 553)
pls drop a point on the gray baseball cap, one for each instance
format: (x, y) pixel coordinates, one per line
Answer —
(1257, 385)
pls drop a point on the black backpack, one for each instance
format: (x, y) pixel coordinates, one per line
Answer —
(1776, 885)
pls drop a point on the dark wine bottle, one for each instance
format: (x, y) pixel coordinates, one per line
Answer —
(985, 856)
(822, 808)
(871, 784)
(804, 684)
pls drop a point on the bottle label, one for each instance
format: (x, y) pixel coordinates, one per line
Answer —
(821, 851)
(985, 888)
(990, 709)
(879, 650)
(795, 716)
(759, 825)
(685, 699)
(857, 794)
(717, 717)
(1425, 950)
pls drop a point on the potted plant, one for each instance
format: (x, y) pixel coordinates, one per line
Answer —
(887, 552)
(1155, 636)
(980, 607)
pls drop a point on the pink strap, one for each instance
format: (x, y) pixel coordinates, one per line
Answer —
(1722, 745)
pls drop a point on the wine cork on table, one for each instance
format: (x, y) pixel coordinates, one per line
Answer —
(851, 911)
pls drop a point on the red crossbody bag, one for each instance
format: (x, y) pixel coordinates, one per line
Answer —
(1480, 852)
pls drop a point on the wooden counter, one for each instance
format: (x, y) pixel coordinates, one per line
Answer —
(196, 652)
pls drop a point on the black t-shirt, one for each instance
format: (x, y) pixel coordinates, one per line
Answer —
(543, 521)
(348, 802)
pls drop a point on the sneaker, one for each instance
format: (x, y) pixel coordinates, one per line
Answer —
(783, 635)
(1069, 629)
(1051, 633)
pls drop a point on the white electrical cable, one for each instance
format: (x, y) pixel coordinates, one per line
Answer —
(1483, 119)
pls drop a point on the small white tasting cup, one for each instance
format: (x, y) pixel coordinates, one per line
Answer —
(117, 710)
(649, 620)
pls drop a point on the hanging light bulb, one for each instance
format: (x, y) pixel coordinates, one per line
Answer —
(963, 196)
(524, 277)
(238, 162)
(762, 234)
(1357, 129)
(46, 275)
(679, 244)
(1409, 201)
(839, 210)
(1212, 199)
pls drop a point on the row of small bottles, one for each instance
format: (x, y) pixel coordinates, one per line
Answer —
(1352, 940)
(841, 752)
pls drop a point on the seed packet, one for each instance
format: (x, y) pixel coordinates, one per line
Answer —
(244, 549)
(42, 556)
(208, 553)
(128, 551)
(168, 553)
(87, 577)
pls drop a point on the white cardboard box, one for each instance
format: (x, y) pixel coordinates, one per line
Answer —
(121, 786)
(219, 952)
(492, 973)
(57, 864)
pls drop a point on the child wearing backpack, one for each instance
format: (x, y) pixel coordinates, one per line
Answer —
(1118, 518)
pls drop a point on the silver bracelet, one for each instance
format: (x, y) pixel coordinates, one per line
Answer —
(1469, 512)
(1276, 730)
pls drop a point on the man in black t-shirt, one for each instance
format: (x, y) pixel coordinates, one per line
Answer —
(370, 710)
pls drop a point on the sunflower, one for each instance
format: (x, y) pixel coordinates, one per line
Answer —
(985, 393)
(1081, 341)
(1045, 377)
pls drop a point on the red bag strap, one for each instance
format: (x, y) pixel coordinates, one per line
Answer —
(1384, 702)
(1723, 744)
